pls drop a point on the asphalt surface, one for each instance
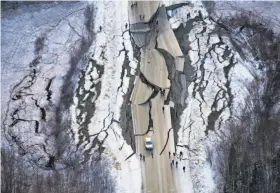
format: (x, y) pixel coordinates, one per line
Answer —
(150, 116)
(141, 92)
(167, 40)
(146, 8)
(154, 68)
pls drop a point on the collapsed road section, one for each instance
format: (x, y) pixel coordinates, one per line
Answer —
(150, 106)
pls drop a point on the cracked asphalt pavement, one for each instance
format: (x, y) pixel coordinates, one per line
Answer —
(150, 108)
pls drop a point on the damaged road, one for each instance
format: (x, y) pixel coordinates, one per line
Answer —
(149, 100)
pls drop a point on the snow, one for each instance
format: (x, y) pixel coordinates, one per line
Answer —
(128, 177)
(200, 175)
(20, 29)
(18, 37)
(270, 10)
(174, 23)
(101, 136)
(133, 64)
(112, 17)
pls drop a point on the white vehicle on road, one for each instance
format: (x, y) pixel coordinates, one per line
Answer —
(148, 143)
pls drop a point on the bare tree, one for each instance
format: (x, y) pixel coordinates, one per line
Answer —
(18, 176)
(250, 156)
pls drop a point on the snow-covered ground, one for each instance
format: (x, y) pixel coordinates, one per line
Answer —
(18, 35)
(36, 43)
(110, 50)
(217, 83)
(32, 80)
(268, 10)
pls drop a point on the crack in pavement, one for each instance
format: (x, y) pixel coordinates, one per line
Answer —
(166, 141)
(150, 124)
(126, 116)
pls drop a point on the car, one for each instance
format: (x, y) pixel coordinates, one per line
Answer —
(148, 143)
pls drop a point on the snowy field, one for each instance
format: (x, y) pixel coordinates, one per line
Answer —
(37, 46)
(18, 41)
(218, 82)
(38, 71)
(111, 48)
(269, 10)
(35, 59)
